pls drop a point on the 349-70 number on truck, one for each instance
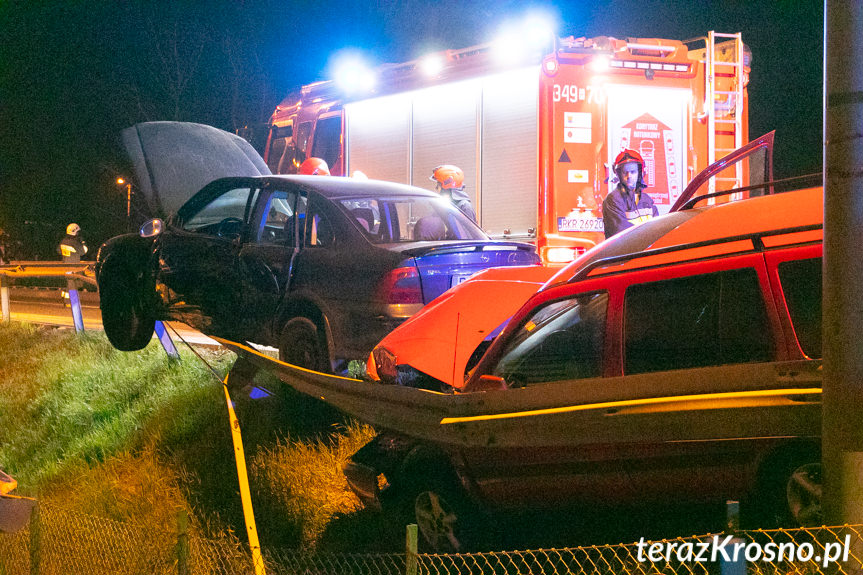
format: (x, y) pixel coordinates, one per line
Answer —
(572, 93)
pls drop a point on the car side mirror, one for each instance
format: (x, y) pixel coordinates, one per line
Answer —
(151, 228)
(490, 383)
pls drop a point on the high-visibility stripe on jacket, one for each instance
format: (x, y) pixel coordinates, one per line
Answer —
(621, 211)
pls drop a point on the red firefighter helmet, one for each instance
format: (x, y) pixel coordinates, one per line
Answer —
(628, 155)
(314, 167)
(448, 177)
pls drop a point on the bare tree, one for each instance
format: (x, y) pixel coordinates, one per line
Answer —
(164, 60)
(251, 98)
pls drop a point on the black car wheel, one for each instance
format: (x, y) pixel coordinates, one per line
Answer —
(126, 301)
(302, 344)
(446, 519)
(791, 492)
(803, 491)
(439, 522)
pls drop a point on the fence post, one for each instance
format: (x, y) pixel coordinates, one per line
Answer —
(166, 341)
(737, 566)
(75, 304)
(4, 301)
(182, 542)
(411, 550)
(36, 539)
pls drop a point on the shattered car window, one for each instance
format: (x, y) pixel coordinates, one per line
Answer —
(366, 213)
(277, 225)
(388, 220)
(232, 204)
(562, 340)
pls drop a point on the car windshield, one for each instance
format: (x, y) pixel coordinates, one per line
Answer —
(398, 219)
(561, 340)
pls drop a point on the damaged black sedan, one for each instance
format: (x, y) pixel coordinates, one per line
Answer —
(319, 267)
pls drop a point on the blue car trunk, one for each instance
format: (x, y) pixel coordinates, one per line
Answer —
(443, 267)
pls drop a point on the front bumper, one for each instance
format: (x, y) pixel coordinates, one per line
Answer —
(363, 480)
(374, 472)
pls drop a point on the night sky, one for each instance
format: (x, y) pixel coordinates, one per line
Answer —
(74, 74)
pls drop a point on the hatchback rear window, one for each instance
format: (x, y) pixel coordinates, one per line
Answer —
(400, 219)
(801, 283)
(696, 321)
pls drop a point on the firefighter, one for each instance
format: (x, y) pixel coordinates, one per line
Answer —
(449, 182)
(628, 204)
(314, 167)
(71, 247)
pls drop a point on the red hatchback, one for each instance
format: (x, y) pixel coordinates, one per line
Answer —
(678, 361)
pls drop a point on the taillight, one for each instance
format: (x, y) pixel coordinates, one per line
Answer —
(402, 286)
(385, 364)
(402, 292)
(561, 255)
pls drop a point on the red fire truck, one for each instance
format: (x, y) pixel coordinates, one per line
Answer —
(535, 141)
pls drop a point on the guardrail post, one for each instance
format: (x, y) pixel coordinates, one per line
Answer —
(36, 539)
(182, 542)
(166, 341)
(411, 560)
(4, 301)
(737, 565)
(75, 304)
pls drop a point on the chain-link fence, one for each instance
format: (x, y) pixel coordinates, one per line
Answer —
(58, 541)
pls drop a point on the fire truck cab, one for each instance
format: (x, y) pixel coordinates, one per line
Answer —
(535, 140)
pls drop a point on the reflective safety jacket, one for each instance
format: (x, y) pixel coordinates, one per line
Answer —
(620, 211)
(72, 248)
(462, 201)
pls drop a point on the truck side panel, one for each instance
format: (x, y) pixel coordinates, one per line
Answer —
(487, 126)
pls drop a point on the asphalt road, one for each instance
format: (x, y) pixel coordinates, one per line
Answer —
(46, 306)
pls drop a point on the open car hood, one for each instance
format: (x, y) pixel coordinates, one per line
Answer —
(439, 339)
(173, 160)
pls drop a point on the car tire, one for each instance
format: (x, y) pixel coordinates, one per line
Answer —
(791, 496)
(302, 344)
(446, 519)
(125, 299)
(803, 494)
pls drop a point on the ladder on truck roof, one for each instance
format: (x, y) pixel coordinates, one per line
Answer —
(724, 105)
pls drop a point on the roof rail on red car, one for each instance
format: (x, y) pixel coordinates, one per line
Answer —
(732, 245)
(767, 186)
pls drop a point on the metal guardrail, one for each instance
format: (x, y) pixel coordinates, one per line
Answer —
(74, 273)
(83, 271)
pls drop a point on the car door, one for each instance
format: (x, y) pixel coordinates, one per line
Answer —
(796, 279)
(267, 257)
(745, 169)
(324, 271)
(199, 255)
(550, 437)
(699, 350)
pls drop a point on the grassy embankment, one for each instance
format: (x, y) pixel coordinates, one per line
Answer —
(132, 436)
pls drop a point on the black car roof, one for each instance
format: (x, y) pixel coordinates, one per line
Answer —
(334, 187)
